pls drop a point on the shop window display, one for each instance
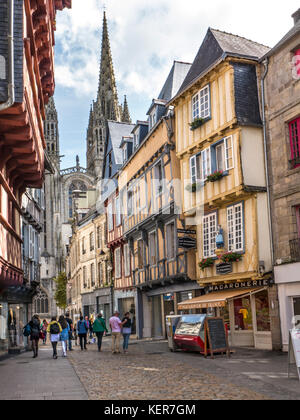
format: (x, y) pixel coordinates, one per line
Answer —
(243, 314)
(224, 313)
(16, 320)
(3, 327)
(262, 311)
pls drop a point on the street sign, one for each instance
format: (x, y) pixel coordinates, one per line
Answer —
(187, 242)
(294, 350)
(187, 232)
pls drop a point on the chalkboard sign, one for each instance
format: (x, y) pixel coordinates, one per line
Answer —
(216, 340)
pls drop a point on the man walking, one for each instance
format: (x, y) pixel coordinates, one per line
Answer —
(116, 325)
(70, 322)
(99, 328)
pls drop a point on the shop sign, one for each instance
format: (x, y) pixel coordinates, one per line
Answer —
(224, 268)
(238, 285)
(186, 231)
(187, 242)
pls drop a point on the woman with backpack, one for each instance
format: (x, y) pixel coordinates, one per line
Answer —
(82, 329)
(99, 328)
(64, 335)
(54, 329)
(35, 329)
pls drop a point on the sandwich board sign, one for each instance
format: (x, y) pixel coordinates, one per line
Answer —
(294, 350)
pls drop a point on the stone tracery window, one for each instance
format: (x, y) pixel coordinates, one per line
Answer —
(41, 303)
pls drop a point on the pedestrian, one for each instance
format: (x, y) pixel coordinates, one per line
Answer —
(91, 322)
(126, 331)
(99, 328)
(35, 329)
(75, 334)
(44, 330)
(86, 318)
(54, 329)
(70, 322)
(64, 335)
(82, 330)
(116, 325)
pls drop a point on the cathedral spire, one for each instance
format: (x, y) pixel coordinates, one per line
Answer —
(125, 114)
(107, 91)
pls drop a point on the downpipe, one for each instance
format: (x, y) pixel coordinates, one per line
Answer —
(11, 59)
(266, 65)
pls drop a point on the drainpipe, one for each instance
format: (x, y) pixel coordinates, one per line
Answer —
(11, 74)
(266, 65)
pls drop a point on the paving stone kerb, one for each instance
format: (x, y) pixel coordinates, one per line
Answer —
(24, 378)
(149, 371)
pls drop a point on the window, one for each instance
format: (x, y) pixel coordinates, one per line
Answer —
(209, 235)
(262, 311)
(201, 104)
(118, 212)
(171, 246)
(196, 168)
(136, 140)
(296, 64)
(235, 223)
(220, 161)
(92, 274)
(158, 178)
(126, 260)
(229, 161)
(118, 263)
(92, 241)
(206, 163)
(110, 217)
(130, 203)
(41, 303)
(100, 274)
(124, 152)
(99, 237)
(222, 155)
(294, 128)
(152, 249)
(140, 254)
(152, 119)
(83, 246)
(84, 277)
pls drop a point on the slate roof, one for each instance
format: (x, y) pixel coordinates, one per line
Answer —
(117, 131)
(174, 80)
(216, 46)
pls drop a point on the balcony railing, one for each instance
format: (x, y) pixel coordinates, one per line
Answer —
(295, 249)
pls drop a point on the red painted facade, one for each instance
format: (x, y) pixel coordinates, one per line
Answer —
(22, 141)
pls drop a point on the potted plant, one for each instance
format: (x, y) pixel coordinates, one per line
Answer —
(215, 176)
(197, 123)
(205, 263)
(231, 257)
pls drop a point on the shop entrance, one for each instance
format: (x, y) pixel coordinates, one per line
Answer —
(128, 305)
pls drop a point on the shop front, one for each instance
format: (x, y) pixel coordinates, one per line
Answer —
(245, 307)
(126, 301)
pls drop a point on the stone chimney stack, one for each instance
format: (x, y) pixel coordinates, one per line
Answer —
(296, 16)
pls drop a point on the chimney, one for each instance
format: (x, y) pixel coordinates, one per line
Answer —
(296, 16)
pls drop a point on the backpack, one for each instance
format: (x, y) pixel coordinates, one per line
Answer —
(54, 329)
(27, 330)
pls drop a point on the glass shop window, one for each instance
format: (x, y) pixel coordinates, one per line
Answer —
(262, 311)
(243, 314)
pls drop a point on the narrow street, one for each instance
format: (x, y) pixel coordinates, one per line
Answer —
(148, 372)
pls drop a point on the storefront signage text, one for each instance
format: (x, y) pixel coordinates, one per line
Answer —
(238, 285)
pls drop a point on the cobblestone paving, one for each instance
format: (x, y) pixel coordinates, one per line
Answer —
(145, 374)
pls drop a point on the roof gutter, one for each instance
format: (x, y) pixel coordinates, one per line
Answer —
(263, 103)
(11, 73)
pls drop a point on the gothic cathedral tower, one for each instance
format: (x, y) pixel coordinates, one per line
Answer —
(105, 108)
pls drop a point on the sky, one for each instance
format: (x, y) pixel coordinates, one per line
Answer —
(146, 37)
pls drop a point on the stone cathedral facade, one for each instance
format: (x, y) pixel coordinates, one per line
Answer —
(71, 192)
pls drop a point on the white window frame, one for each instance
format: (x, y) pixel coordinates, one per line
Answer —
(206, 163)
(197, 103)
(158, 183)
(131, 208)
(209, 226)
(118, 211)
(226, 149)
(235, 227)
(126, 260)
(196, 168)
(110, 217)
(117, 259)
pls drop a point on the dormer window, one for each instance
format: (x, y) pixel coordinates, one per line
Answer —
(152, 118)
(201, 104)
(125, 156)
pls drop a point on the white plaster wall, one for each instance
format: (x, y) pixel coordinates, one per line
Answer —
(252, 157)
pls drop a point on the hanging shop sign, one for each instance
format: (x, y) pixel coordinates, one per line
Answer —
(224, 268)
(187, 242)
(187, 231)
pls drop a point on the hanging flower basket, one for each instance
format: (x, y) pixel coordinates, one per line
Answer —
(206, 263)
(197, 123)
(231, 257)
(215, 176)
(196, 186)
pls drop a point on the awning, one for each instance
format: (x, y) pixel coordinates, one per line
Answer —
(216, 300)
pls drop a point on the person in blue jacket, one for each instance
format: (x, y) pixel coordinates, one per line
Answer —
(82, 329)
(64, 335)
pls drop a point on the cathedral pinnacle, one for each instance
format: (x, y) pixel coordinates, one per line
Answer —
(125, 114)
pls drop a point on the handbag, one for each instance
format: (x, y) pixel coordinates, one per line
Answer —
(42, 335)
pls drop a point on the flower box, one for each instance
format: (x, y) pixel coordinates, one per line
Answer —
(205, 263)
(231, 257)
(197, 123)
(215, 176)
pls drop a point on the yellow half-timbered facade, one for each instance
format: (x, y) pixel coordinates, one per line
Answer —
(220, 145)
